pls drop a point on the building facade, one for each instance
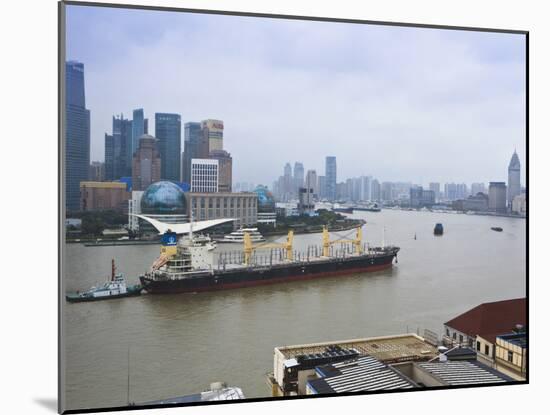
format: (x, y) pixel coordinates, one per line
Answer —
(420, 197)
(138, 128)
(77, 134)
(519, 204)
(97, 171)
(191, 145)
(330, 177)
(204, 175)
(225, 169)
(242, 207)
(514, 186)
(497, 197)
(146, 165)
(212, 137)
(103, 196)
(168, 134)
(118, 149)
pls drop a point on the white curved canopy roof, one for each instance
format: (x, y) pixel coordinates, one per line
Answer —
(180, 228)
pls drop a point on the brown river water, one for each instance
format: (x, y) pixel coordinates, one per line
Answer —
(178, 344)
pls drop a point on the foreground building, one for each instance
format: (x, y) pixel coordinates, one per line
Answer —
(511, 355)
(479, 327)
(293, 366)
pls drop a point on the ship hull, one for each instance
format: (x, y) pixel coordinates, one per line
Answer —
(248, 277)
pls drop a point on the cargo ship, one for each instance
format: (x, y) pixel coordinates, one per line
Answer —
(185, 267)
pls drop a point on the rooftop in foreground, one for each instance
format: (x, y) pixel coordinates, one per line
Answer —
(387, 349)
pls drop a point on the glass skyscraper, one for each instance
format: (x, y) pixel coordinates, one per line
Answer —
(192, 138)
(118, 149)
(138, 128)
(77, 134)
(168, 134)
(330, 177)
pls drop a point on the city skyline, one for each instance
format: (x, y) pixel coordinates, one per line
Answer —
(431, 103)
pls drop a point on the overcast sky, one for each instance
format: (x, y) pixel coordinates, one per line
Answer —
(396, 103)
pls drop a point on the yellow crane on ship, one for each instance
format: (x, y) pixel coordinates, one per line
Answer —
(249, 248)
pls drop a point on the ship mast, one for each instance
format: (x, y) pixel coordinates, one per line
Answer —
(191, 228)
(113, 269)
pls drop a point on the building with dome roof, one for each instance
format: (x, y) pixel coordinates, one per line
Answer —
(514, 186)
(266, 206)
(163, 200)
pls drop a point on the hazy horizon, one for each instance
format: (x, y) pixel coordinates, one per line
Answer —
(395, 103)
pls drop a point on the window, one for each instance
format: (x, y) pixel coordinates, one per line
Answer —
(510, 356)
(487, 349)
(454, 335)
(460, 339)
(447, 332)
(478, 346)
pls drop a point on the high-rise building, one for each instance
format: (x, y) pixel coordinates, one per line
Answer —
(191, 144)
(322, 187)
(298, 177)
(212, 137)
(514, 186)
(435, 187)
(97, 171)
(420, 197)
(387, 191)
(77, 134)
(330, 174)
(225, 169)
(451, 191)
(168, 134)
(138, 128)
(146, 164)
(204, 175)
(118, 149)
(478, 188)
(375, 190)
(287, 183)
(312, 183)
(497, 197)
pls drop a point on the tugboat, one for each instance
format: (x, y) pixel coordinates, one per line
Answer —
(497, 229)
(438, 230)
(114, 288)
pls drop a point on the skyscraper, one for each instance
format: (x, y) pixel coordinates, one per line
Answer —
(514, 186)
(225, 169)
(298, 177)
(311, 182)
(77, 134)
(192, 140)
(375, 190)
(212, 137)
(435, 187)
(138, 128)
(118, 149)
(478, 188)
(330, 174)
(168, 134)
(497, 197)
(146, 164)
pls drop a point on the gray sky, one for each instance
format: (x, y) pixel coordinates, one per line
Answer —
(395, 103)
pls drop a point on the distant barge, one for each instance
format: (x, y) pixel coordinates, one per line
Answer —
(185, 267)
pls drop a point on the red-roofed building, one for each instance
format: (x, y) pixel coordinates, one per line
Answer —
(480, 326)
